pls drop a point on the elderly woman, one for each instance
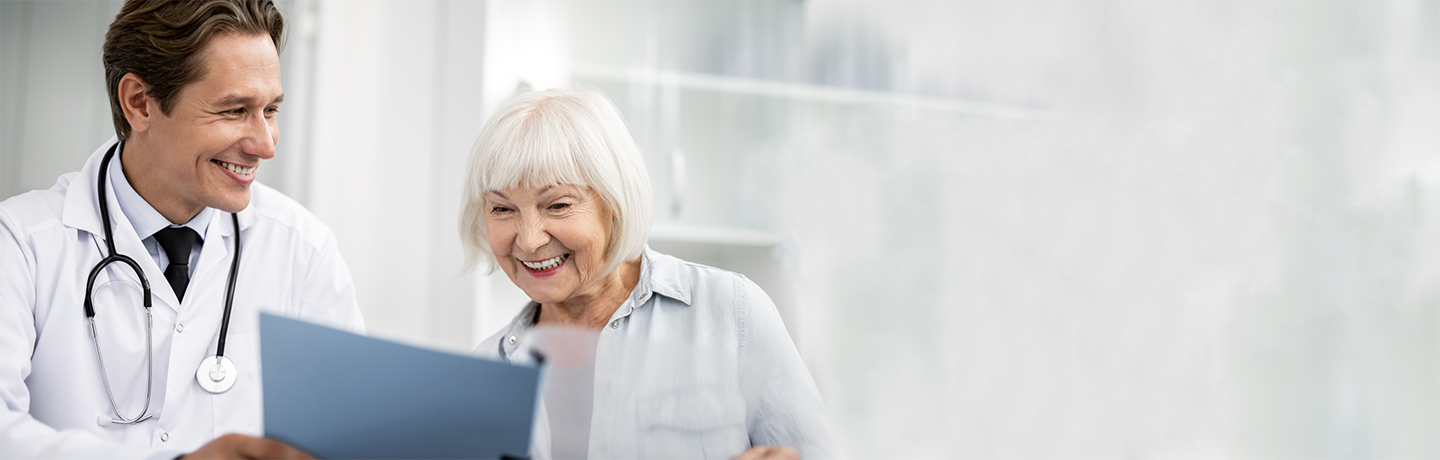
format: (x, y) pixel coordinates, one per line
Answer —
(557, 196)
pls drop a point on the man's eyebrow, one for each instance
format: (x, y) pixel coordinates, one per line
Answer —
(235, 99)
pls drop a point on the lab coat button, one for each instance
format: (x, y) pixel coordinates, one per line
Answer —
(164, 437)
(512, 340)
(179, 327)
(615, 324)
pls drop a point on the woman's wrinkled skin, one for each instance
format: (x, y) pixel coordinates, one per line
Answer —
(535, 224)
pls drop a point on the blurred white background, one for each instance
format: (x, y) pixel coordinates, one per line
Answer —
(1035, 229)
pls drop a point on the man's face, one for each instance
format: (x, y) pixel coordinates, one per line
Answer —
(206, 150)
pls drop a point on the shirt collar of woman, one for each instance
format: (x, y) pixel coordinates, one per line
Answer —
(659, 274)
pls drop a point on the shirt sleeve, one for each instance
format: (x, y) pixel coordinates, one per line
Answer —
(328, 293)
(21, 435)
(783, 405)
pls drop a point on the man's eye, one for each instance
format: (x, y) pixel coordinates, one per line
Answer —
(272, 110)
(235, 112)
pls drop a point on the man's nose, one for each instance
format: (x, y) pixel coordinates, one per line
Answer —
(261, 135)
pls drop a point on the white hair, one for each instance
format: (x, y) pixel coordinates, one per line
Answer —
(559, 137)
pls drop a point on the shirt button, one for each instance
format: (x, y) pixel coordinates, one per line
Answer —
(179, 327)
(164, 437)
(615, 324)
(512, 340)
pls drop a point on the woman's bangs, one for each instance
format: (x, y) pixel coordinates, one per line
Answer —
(538, 157)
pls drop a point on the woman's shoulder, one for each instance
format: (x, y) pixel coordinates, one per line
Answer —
(718, 295)
(691, 281)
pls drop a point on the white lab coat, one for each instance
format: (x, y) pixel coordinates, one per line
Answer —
(50, 381)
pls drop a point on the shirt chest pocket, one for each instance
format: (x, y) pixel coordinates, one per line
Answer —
(694, 423)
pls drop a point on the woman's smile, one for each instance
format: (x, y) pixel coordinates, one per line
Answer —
(547, 267)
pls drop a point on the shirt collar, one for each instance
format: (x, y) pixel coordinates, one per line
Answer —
(140, 213)
(665, 275)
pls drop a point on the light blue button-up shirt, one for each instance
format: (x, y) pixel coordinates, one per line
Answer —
(147, 221)
(696, 363)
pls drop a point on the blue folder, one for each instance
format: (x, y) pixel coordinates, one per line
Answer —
(336, 394)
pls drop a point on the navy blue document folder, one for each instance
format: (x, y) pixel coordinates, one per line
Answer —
(336, 394)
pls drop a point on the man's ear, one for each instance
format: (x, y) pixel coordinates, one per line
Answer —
(135, 103)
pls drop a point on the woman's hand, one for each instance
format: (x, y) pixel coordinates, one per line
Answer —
(769, 453)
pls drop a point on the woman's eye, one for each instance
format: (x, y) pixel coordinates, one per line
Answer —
(498, 209)
(560, 206)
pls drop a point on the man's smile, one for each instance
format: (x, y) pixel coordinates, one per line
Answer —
(237, 169)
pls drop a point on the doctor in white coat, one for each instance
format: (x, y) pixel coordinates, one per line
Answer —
(194, 89)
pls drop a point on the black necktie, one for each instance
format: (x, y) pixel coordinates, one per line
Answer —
(177, 242)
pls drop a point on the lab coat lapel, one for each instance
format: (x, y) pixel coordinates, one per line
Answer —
(221, 221)
(213, 271)
(128, 243)
(215, 256)
(82, 211)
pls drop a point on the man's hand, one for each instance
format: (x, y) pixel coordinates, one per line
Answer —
(239, 446)
(769, 453)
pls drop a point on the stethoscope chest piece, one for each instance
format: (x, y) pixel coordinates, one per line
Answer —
(216, 374)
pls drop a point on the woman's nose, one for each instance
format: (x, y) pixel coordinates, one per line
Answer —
(532, 235)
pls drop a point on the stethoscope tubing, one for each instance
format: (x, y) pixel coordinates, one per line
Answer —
(230, 289)
(114, 257)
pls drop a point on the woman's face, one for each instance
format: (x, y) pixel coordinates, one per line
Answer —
(551, 241)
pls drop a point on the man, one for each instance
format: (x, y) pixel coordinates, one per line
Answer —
(194, 88)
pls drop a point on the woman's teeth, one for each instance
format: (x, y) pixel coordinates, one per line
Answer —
(546, 264)
(237, 169)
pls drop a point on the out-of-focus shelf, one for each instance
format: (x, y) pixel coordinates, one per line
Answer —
(804, 92)
(729, 236)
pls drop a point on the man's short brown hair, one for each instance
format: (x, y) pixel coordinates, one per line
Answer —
(160, 42)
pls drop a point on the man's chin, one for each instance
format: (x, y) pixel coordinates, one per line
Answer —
(233, 203)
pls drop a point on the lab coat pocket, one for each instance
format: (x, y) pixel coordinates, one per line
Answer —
(693, 423)
(238, 410)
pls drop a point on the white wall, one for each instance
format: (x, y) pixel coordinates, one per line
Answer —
(1211, 233)
(396, 100)
(1220, 250)
(53, 111)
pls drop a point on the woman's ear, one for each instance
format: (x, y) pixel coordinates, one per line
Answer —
(135, 103)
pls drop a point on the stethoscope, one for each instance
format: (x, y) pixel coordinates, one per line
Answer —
(216, 373)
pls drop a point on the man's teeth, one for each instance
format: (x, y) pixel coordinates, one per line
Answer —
(237, 169)
(546, 264)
